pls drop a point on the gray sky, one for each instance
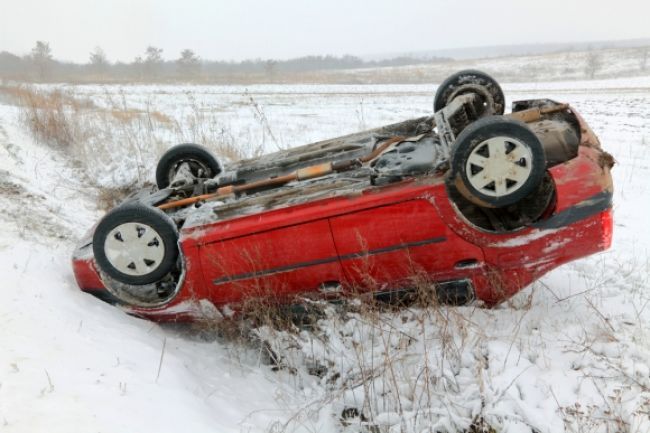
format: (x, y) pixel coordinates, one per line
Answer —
(239, 29)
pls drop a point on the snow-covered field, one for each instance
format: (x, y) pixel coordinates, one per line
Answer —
(558, 66)
(571, 353)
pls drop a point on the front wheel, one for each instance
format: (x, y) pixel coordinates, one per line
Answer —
(136, 244)
(496, 162)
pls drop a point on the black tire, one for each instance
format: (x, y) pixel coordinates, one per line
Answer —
(491, 101)
(202, 161)
(136, 224)
(513, 176)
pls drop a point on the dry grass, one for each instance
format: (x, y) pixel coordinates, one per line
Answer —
(199, 127)
(108, 198)
(116, 144)
(393, 358)
(50, 116)
(402, 367)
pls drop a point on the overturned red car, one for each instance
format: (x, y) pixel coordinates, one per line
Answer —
(474, 203)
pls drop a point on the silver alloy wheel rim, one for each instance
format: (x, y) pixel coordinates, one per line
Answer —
(499, 166)
(134, 249)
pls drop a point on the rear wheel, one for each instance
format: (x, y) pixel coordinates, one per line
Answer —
(496, 162)
(200, 163)
(490, 99)
(136, 244)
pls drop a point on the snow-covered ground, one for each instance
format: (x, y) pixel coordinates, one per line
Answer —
(570, 353)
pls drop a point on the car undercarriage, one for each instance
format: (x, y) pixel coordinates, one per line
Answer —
(490, 176)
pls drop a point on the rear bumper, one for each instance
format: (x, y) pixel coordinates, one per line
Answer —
(512, 267)
(581, 225)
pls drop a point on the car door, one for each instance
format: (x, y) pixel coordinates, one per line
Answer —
(399, 244)
(280, 262)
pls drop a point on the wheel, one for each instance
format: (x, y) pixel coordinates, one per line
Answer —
(136, 244)
(202, 163)
(496, 161)
(491, 99)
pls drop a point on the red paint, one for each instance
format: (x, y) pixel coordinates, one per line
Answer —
(381, 239)
(429, 248)
(260, 253)
(86, 275)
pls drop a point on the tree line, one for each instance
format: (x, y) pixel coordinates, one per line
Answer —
(40, 65)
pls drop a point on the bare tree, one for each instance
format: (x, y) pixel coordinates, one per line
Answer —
(138, 67)
(98, 61)
(153, 60)
(593, 64)
(188, 64)
(42, 58)
(269, 67)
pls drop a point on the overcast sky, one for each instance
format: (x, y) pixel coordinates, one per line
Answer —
(239, 29)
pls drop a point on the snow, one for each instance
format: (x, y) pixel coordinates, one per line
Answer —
(570, 353)
(71, 363)
(560, 66)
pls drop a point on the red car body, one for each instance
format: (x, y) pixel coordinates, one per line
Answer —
(382, 239)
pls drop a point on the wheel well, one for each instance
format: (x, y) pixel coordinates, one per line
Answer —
(536, 206)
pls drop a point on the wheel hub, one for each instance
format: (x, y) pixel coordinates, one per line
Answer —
(192, 169)
(499, 166)
(134, 249)
(485, 104)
